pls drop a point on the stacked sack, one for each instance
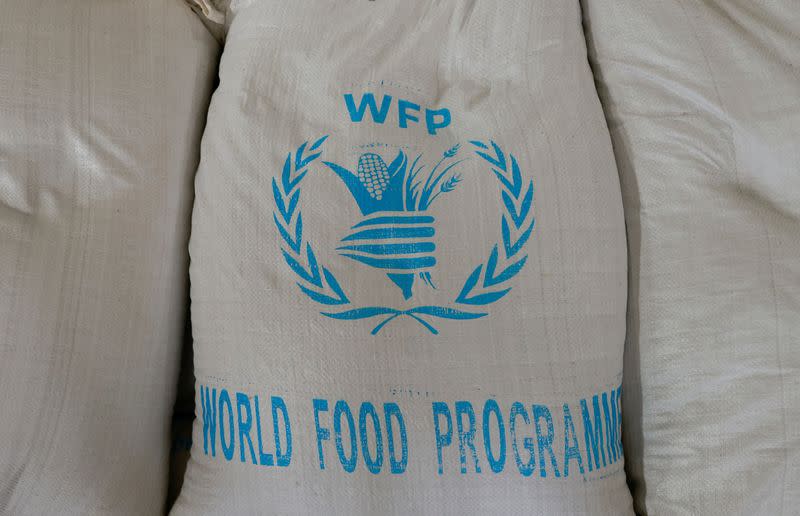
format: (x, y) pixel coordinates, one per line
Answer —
(408, 266)
(702, 103)
(101, 109)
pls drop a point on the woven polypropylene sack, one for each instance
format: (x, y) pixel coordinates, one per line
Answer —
(101, 112)
(408, 266)
(702, 102)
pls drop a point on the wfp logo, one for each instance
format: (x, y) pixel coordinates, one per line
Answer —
(395, 235)
(395, 232)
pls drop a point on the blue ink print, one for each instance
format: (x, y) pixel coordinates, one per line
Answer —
(394, 235)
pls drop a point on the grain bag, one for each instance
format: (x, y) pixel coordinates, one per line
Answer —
(408, 266)
(101, 109)
(702, 102)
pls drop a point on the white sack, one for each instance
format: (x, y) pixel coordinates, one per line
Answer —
(101, 109)
(445, 80)
(703, 102)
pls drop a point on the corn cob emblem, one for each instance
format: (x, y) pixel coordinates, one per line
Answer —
(373, 174)
(394, 236)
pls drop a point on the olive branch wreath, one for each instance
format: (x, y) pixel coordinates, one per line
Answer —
(321, 286)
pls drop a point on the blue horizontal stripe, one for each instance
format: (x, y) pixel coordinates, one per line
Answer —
(394, 263)
(391, 232)
(386, 249)
(396, 219)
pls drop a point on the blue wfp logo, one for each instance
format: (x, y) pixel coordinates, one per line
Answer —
(395, 233)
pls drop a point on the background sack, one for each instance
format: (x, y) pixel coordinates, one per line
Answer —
(264, 353)
(101, 108)
(702, 102)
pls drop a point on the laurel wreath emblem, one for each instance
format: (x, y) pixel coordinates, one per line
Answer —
(485, 285)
